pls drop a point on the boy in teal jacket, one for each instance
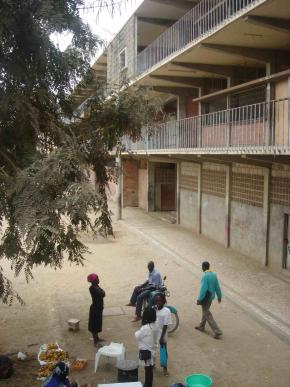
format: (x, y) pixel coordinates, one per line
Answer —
(208, 288)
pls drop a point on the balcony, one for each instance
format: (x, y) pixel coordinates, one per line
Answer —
(204, 18)
(262, 128)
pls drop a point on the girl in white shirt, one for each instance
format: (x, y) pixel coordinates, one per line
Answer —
(163, 319)
(146, 343)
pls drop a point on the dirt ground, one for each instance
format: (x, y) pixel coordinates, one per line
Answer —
(248, 354)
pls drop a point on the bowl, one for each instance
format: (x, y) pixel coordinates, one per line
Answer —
(198, 380)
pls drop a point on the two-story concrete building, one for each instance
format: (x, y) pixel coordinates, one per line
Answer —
(221, 162)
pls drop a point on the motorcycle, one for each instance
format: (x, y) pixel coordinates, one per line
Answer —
(174, 313)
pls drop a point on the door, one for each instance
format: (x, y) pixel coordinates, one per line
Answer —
(167, 197)
(165, 187)
(286, 245)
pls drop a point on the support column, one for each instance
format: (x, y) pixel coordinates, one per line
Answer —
(266, 213)
(119, 187)
(199, 130)
(151, 186)
(229, 118)
(288, 105)
(269, 113)
(181, 107)
(228, 206)
(178, 166)
(199, 198)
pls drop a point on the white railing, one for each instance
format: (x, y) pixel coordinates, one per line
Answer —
(203, 18)
(258, 127)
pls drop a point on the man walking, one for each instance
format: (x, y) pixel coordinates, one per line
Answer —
(209, 287)
(140, 292)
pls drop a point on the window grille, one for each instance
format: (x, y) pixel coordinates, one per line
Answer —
(280, 190)
(214, 182)
(189, 183)
(248, 188)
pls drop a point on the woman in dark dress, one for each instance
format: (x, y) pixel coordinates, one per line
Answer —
(96, 309)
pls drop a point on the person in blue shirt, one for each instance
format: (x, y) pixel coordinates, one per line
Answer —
(209, 287)
(140, 292)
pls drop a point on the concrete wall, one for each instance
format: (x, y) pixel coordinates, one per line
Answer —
(143, 189)
(191, 107)
(248, 203)
(126, 38)
(151, 186)
(181, 107)
(186, 107)
(157, 196)
(213, 217)
(247, 230)
(188, 209)
(282, 113)
(276, 235)
(112, 191)
(130, 183)
(281, 89)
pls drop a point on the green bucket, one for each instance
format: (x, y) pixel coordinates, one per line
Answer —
(198, 380)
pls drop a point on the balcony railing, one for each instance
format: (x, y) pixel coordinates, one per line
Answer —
(203, 18)
(262, 127)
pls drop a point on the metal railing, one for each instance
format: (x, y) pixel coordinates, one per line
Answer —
(203, 18)
(259, 127)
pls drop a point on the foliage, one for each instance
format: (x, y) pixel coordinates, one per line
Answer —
(46, 152)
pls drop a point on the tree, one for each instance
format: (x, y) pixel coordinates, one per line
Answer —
(45, 151)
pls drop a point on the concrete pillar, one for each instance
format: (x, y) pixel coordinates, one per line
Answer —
(181, 107)
(199, 198)
(270, 94)
(151, 186)
(266, 212)
(228, 206)
(178, 172)
(119, 187)
(288, 132)
(200, 93)
(270, 69)
(199, 131)
(229, 129)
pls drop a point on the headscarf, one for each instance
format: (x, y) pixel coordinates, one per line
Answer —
(92, 277)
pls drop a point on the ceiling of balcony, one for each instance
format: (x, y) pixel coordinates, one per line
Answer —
(151, 12)
(228, 47)
(170, 9)
(83, 91)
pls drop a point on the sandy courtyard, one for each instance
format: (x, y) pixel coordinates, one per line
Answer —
(248, 354)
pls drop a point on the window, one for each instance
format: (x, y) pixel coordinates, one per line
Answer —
(123, 59)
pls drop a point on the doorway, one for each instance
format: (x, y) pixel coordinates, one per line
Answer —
(168, 197)
(286, 243)
(165, 187)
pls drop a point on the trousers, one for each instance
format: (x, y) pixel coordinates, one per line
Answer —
(138, 296)
(208, 317)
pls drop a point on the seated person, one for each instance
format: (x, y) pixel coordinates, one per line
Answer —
(59, 376)
(142, 291)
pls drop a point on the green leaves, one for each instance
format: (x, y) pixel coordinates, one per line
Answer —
(46, 197)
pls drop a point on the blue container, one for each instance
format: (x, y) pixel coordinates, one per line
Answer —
(198, 380)
(163, 356)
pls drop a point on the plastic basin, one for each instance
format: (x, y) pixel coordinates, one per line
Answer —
(198, 380)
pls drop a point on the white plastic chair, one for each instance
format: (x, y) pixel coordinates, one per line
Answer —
(113, 350)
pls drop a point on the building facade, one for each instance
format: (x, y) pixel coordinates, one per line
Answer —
(221, 161)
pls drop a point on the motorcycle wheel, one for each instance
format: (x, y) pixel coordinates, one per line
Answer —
(175, 323)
